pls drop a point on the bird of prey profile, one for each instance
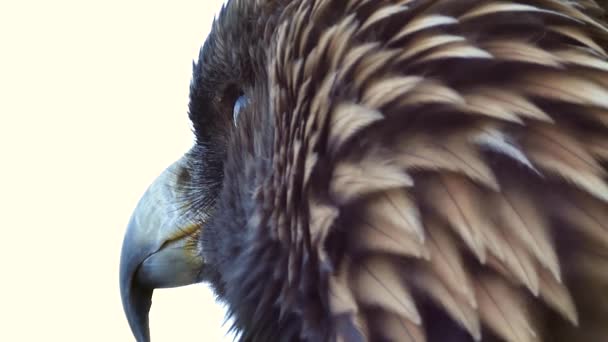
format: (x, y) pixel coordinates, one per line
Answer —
(390, 170)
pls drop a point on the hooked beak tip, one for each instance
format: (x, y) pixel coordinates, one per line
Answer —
(136, 299)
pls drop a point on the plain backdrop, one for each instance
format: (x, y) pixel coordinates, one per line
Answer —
(93, 106)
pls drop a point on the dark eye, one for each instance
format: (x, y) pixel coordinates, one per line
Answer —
(239, 104)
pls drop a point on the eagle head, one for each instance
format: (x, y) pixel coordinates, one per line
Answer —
(390, 170)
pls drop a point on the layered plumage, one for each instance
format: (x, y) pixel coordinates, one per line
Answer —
(414, 170)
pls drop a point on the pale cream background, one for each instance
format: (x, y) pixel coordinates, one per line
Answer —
(93, 105)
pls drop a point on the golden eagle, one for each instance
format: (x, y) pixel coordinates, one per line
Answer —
(390, 170)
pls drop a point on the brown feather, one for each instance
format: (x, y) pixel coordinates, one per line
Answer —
(558, 297)
(504, 310)
(395, 207)
(381, 14)
(348, 119)
(562, 155)
(513, 50)
(378, 283)
(502, 104)
(520, 215)
(394, 328)
(459, 310)
(450, 153)
(457, 202)
(497, 7)
(372, 236)
(353, 180)
(423, 23)
(447, 263)
(578, 35)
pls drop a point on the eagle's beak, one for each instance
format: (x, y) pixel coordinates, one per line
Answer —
(160, 248)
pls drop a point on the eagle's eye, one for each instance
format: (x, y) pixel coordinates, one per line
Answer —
(239, 104)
